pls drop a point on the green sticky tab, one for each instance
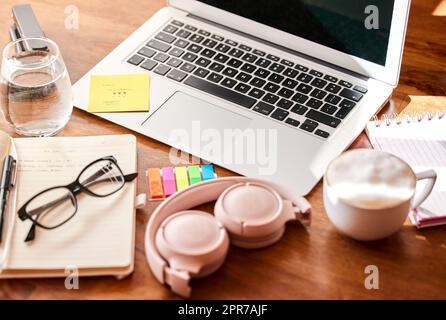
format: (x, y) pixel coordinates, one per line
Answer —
(181, 178)
(194, 174)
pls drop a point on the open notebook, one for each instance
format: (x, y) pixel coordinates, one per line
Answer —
(421, 142)
(99, 240)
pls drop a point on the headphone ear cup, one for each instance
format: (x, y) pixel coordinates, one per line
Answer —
(193, 241)
(252, 214)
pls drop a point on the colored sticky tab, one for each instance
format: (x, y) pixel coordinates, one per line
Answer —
(155, 185)
(168, 176)
(181, 178)
(207, 172)
(194, 174)
(119, 93)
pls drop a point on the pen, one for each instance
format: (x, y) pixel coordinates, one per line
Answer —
(6, 183)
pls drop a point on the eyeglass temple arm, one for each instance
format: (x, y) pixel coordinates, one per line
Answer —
(31, 233)
(130, 177)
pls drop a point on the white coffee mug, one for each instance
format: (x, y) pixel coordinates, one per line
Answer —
(368, 194)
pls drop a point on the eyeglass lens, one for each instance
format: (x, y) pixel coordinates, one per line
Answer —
(52, 207)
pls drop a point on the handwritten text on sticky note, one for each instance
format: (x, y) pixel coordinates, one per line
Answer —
(119, 93)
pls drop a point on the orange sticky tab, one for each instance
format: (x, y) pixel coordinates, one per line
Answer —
(155, 185)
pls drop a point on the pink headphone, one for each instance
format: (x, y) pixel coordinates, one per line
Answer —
(182, 244)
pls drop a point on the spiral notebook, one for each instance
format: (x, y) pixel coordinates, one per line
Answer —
(421, 142)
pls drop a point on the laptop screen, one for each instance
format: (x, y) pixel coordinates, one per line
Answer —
(357, 27)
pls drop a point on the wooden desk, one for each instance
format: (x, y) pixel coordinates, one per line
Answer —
(306, 264)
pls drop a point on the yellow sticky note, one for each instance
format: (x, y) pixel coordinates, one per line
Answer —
(119, 93)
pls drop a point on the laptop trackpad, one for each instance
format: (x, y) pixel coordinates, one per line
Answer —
(182, 119)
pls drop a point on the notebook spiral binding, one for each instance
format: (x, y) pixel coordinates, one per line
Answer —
(395, 119)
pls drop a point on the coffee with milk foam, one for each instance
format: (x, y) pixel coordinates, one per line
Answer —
(371, 180)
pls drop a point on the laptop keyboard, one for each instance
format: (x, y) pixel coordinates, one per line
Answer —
(291, 93)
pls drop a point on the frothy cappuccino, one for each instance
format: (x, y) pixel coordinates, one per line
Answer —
(371, 180)
(368, 194)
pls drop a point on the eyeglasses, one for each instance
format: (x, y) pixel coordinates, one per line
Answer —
(55, 206)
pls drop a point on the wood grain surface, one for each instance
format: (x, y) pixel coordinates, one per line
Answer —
(313, 263)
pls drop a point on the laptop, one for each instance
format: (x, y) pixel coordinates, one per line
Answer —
(267, 89)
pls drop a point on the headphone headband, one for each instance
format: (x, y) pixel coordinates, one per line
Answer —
(207, 191)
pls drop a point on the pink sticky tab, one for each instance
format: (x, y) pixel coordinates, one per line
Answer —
(169, 184)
